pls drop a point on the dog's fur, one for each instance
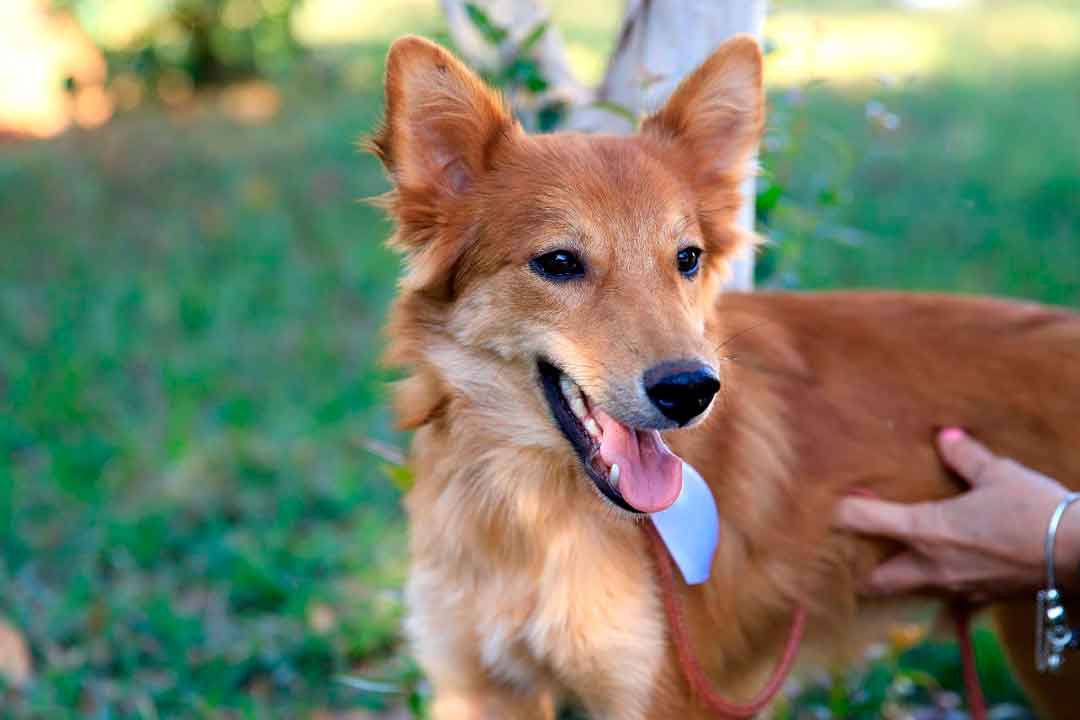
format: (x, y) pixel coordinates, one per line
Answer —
(526, 586)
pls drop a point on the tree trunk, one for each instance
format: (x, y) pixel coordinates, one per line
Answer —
(660, 42)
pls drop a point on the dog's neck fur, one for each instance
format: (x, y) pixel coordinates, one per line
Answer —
(521, 481)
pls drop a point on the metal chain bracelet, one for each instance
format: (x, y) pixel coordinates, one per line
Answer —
(1053, 634)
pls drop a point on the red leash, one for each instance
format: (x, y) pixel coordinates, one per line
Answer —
(723, 708)
(962, 621)
(692, 671)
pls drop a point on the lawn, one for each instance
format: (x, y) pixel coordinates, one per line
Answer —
(190, 525)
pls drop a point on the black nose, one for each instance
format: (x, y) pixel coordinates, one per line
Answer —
(681, 390)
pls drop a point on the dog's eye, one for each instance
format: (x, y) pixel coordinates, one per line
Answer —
(558, 265)
(688, 260)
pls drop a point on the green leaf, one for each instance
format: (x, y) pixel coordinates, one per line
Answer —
(480, 20)
(620, 110)
(768, 199)
(550, 116)
(417, 705)
(536, 83)
(525, 72)
(828, 197)
(534, 36)
(400, 476)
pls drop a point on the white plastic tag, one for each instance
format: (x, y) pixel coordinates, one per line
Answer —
(691, 527)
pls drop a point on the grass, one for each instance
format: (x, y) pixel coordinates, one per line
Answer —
(189, 315)
(188, 352)
(977, 191)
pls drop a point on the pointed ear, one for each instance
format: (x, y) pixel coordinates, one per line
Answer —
(715, 116)
(441, 121)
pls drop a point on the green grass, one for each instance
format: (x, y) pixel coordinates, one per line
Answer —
(189, 316)
(977, 191)
(189, 310)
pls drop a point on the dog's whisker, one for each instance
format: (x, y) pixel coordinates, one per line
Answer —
(742, 332)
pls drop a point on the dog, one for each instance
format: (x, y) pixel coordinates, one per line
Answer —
(560, 314)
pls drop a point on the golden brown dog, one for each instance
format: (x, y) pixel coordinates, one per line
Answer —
(561, 308)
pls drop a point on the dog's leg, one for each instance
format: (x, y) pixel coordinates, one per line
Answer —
(464, 690)
(491, 704)
(622, 691)
(1056, 696)
(446, 645)
(462, 687)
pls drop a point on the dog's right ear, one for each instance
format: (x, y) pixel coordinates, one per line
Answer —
(715, 116)
(441, 124)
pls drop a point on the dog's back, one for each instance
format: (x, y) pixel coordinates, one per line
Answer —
(872, 375)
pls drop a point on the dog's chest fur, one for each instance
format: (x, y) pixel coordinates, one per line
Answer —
(532, 588)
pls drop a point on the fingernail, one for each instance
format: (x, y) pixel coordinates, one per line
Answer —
(951, 433)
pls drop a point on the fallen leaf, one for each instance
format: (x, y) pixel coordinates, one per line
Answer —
(15, 663)
(321, 617)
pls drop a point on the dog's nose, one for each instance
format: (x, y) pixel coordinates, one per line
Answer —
(681, 390)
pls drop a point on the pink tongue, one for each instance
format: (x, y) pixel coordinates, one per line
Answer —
(650, 475)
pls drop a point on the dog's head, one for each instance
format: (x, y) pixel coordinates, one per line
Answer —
(575, 273)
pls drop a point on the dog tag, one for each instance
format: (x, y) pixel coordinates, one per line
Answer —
(691, 527)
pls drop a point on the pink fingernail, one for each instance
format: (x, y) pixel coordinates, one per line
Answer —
(951, 433)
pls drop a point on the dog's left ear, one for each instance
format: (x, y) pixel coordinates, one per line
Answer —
(715, 116)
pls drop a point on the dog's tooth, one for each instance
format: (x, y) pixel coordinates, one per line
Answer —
(578, 405)
(568, 387)
(591, 427)
(613, 476)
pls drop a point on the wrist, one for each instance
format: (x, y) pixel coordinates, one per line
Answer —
(1067, 550)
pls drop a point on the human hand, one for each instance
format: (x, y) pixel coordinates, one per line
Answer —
(986, 543)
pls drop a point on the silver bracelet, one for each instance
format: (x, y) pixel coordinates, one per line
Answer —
(1053, 635)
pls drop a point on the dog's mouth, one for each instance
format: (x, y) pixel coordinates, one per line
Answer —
(631, 467)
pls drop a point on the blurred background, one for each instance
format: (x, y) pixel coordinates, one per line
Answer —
(193, 522)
